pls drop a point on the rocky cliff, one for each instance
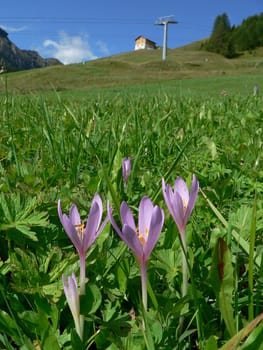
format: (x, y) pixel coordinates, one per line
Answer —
(13, 59)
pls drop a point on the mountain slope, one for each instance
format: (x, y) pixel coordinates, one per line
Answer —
(13, 59)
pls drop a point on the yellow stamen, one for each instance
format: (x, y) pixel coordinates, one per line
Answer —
(141, 236)
(80, 229)
(185, 204)
(142, 240)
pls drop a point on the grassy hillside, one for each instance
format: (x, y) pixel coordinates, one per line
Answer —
(136, 68)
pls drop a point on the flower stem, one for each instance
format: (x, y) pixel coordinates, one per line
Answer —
(184, 273)
(82, 291)
(143, 266)
(184, 267)
(82, 275)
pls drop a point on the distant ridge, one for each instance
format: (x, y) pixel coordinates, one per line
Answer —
(14, 59)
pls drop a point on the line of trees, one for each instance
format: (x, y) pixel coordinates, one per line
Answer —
(229, 40)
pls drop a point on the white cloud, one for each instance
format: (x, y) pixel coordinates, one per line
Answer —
(70, 49)
(102, 47)
(13, 29)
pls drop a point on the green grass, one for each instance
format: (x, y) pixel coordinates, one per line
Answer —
(68, 147)
(64, 133)
(217, 87)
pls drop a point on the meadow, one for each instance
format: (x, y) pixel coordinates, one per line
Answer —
(69, 146)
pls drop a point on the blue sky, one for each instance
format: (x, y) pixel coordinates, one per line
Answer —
(80, 30)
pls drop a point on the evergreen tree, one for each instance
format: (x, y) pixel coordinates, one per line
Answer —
(249, 35)
(229, 41)
(221, 39)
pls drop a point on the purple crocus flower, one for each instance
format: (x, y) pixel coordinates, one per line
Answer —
(72, 296)
(82, 236)
(126, 170)
(142, 239)
(180, 202)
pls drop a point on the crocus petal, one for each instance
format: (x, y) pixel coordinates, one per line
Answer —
(179, 211)
(180, 203)
(168, 196)
(128, 233)
(126, 216)
(112, 221)
(130, 237)
(60, 214)
(69, 229)
(74, 216)
(93, 222)
(173, 201)
(126, 169)
(91, 227)
(155, 229)
(98, 201)
(192, 197)
(145, 215)
(181, 188)
(71, 293)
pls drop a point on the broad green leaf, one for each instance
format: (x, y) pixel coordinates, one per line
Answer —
(50, 341)
(242, 242)
(151, 294)
(76, 342)
(147, 331)
(21, 214)
(30, 318)
(122, 275)
(91, 301)
(7, 324)
(211, 343)
(157, 331)
(226, 278)
(26, 231)
(222, 280)
(108, 311)
(255, 339)
(233, 343)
